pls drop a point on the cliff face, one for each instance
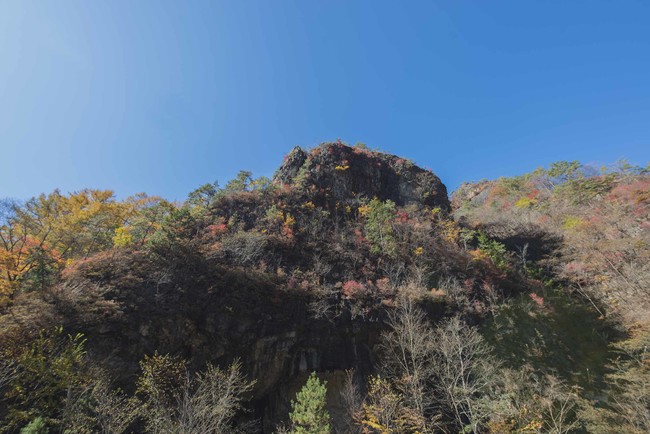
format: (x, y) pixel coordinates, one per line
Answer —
(209, 311)
(283, 279)
(216, 315)
(347, 172)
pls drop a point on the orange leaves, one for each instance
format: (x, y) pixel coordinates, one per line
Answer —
(479, 255)
(217, 230)
(20, 253)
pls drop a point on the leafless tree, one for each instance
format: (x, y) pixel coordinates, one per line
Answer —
(452, 287)
(559, 404)
(114, 411)
(523, 255)
(352, 399)
(408, 349)
(324, 303)
(245, 248)
(206, 403)
(464, 372)
(448, 369)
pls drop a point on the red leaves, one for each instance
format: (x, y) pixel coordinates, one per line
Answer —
(401, 217)
(539, 301)
(217, 230)
(352, 288)
(635, 193)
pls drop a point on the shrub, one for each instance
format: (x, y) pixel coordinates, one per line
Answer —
(494, 250)
(379, 229)
(352, 288)
(49, 377)
(525, 202)
(36, 426)
(179, 403)
(245, 248)
(571, 223)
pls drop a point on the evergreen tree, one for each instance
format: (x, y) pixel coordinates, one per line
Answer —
(36, 426)
(308, 414)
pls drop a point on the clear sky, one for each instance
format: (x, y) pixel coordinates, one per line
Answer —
(162, 96)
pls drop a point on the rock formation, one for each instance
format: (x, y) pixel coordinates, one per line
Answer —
(348, 172)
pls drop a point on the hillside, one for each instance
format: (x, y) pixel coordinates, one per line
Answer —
(518, 306)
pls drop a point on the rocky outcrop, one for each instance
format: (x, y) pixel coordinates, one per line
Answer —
(471, 194)
(218, 315)
(345, 172)
(184, 301)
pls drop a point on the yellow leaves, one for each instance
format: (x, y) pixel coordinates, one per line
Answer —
(342, 168)
(6, 290)
(372, 422)
(384, 411)
(122, 237)
(289, 220)
(449, 230)
(602, 278)
(14, 257)
(309, 206)
(274, 214)
(531, 424)
(20, 253)
(380, 397)
(363, 210)
(525, 202)
(287, 227)
(49, 231)
(419, 251)
(532, 427)
(572, 223)
(75, 225)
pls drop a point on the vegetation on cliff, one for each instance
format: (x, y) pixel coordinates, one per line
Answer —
(143, 315)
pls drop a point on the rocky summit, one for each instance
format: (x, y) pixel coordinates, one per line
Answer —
(351, 172)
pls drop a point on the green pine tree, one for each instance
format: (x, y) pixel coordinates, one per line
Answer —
(308, 414)
(36, 426)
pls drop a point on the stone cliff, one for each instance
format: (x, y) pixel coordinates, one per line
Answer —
(348, 172)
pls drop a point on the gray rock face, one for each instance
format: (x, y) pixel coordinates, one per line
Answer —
(471, 194)
(345, 172)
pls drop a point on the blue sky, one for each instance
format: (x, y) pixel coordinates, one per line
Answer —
(162, 96)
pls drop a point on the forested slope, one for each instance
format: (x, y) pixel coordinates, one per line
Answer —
(417, 314)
